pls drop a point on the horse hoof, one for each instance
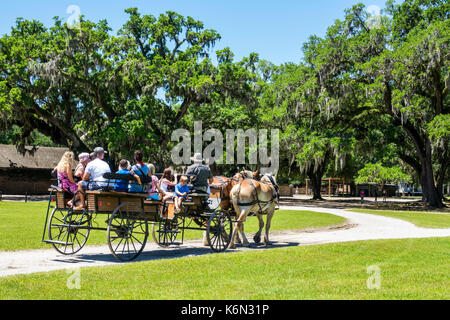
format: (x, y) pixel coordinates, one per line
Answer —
(257, 239)
(267, 243)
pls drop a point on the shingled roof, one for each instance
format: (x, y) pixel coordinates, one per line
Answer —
(43, 158)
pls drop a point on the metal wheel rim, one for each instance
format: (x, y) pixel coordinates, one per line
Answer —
(126, 235)
(217, 231)
(68, 234)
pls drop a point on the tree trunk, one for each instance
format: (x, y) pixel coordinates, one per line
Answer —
(429, 191)
(422, 146)
(316, 183)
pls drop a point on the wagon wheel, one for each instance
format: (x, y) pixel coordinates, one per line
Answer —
(68, 231)
(165, 231)
(126, 232)
(219, 230)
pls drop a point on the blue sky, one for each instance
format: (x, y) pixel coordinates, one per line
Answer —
(274, 29)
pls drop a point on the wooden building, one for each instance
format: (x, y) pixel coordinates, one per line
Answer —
(330, 186)
(21, 174)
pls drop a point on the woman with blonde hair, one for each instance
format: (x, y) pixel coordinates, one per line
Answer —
(65, 175)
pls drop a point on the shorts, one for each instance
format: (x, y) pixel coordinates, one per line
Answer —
(89, 185)
(153, 197)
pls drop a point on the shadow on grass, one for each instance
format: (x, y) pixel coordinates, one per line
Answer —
(156, 253)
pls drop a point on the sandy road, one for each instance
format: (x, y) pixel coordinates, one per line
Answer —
(361, 226)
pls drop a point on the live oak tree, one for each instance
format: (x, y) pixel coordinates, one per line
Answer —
(312, 136)
(394, 70)
(27, 102)
(84, 87)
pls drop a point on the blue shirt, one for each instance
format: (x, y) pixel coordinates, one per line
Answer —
(121, 185)
(181, 189)
(135, 187)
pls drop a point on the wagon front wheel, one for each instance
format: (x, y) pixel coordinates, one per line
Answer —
(127, 231)
(219, 230)
(165, 231)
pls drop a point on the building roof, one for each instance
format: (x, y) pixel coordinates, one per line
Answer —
(43, 157)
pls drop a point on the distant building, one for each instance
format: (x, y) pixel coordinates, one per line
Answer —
(370, 189)
(27, 174)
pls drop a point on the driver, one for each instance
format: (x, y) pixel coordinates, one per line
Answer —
(202, 173)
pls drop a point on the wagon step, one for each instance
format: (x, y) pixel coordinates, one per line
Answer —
(59, 242)
(77, 225)
(168, 231)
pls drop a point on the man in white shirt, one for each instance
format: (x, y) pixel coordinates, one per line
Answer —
(93, 176)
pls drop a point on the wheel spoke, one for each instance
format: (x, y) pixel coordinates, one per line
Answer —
(121, 239)
(137, 240)
(132, 242)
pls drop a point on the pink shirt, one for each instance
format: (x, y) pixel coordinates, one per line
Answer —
(152, 191)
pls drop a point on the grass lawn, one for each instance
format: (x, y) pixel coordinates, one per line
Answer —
(22, 224)
(408, 269)
(420, 219)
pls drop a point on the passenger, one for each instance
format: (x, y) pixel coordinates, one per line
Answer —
(122, 185)
(166, 182)
(83, 159)
(155, 192)
(65, 177)
(142, 171)
(181, 193)
(202, 173)
(93, 176)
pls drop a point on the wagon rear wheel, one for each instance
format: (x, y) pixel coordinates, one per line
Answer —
(127, 232)
(68, 230)
(219, 230)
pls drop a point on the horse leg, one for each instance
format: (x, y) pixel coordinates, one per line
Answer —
(257, 237)
(234, 234)
(268, 221)
(238, 239)
(241, 230)
(238, 227)
(205, 239)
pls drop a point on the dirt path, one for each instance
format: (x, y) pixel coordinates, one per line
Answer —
(360, 226)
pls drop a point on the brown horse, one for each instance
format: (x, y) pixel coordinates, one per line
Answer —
(259, 197)
(221, 189)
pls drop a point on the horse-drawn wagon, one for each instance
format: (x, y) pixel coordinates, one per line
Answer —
(128, 216)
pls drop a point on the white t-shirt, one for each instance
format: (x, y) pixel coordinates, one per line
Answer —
(97, 168)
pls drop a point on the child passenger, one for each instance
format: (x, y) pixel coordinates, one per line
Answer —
(122, 185)
(181, 193)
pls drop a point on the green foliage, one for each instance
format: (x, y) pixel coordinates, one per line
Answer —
(85, 87)
(377, 173)
(388, 81)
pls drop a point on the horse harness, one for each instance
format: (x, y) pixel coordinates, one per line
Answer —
(221, 187)
(275, 195)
